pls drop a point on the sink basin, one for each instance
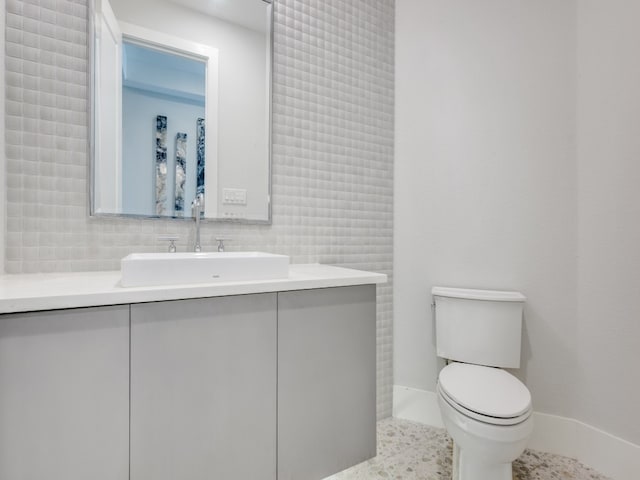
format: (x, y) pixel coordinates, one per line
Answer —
(148, 269)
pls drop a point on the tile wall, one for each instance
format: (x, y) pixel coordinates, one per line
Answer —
(333, 110)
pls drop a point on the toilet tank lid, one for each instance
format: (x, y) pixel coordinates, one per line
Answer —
(472, 294)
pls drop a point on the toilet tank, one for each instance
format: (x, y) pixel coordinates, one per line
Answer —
(483, 327)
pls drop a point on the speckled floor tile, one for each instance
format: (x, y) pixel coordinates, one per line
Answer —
(412, 451)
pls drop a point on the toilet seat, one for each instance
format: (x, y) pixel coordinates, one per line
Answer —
(486, 394)
(496, 421)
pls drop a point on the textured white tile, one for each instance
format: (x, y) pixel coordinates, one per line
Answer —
(332, 149)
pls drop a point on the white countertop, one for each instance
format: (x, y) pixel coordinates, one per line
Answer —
(51, 291)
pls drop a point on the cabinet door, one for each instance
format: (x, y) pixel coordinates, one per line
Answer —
(64, 395)
(203, 389)
(326, 380)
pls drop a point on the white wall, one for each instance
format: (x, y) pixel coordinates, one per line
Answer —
(3, 164)
(609, 215)
(485, 187)
(518, 166)
(242, 132)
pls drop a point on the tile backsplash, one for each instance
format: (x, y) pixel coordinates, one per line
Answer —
(332, 165)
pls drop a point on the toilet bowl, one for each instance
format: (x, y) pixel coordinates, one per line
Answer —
(486, 410)
(490, 425)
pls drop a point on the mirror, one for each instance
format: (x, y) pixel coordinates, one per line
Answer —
(181, 96)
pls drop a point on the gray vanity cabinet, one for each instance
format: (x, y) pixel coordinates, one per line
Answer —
(326, 380)
(195, 389)
(64, 394)
(203, 389)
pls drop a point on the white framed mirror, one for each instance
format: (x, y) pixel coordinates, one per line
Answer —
(181, 96)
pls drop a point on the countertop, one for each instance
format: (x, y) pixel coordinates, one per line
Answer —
(52, 291)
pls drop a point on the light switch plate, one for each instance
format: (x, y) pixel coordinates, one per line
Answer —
(234, 196)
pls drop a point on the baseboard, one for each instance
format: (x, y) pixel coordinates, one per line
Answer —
(416, 405)
(610, 455)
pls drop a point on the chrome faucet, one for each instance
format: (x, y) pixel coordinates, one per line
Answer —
(221, 241)
(171, 239)
(196, 209)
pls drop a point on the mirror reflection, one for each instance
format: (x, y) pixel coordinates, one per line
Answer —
(169, 89)
(181, 108)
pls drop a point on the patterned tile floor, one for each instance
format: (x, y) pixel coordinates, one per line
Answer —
(412, 451)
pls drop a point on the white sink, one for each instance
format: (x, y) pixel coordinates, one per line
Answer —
(147, 269)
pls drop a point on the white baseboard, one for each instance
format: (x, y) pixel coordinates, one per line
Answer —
(416, 405)
(610, 455)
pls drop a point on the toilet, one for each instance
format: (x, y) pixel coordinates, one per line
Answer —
(485, 409)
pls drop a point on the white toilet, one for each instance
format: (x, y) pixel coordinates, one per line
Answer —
(486, 410)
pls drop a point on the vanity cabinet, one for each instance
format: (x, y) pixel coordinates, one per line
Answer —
(64, 394)
(257, 386)
(326, 380)
(203, 389)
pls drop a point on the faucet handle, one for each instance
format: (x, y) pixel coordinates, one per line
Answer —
(221, 241)
(198, 201)
(171, 239)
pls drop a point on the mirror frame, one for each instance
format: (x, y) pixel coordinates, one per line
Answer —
(91, 111)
